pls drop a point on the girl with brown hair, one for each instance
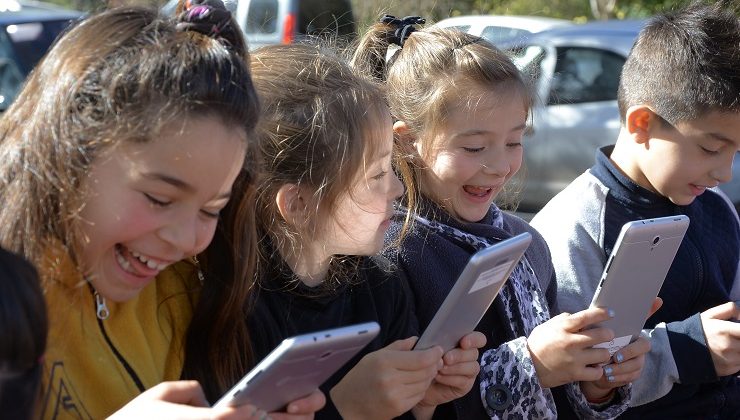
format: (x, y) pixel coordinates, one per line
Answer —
(323, 204)
(460, 110)
(115, 161)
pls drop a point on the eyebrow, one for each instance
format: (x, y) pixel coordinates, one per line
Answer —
(476, 132)
(722, 138)
(178, 183)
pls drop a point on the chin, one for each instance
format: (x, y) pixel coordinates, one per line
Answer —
(682, 201)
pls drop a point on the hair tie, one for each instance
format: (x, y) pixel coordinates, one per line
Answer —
(209, 17)
(404, 27)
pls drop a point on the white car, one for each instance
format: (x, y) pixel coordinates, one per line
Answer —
(498, 28)
(575, 70)
(266, 22)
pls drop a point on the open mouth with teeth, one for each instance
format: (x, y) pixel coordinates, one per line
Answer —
(480, 192)
(137, 264)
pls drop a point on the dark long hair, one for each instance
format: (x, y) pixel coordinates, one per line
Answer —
(23, 330)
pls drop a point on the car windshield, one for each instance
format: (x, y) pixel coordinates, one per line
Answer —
(21, 47)
(32, 40)
(528, 59)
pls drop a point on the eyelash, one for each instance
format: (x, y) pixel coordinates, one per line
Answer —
(164, 204)
(156, 202)
(709, 152)
(380, 175)
(480, 149)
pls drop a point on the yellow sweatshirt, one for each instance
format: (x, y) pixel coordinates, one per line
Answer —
(94, 367)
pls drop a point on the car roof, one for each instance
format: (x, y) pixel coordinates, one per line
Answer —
(614, 35)
(13, 12)
(531, 23)
(614, 27)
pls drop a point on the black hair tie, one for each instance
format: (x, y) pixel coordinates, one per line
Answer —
(208, 17)
(404, 27)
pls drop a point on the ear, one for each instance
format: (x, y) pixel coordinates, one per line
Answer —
(639, 121)
(405, 138)
(290, 203)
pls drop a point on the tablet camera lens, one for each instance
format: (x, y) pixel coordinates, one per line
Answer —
(656, 240)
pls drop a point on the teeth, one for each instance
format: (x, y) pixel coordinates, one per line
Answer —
(479, 191)
(148, 262)
(122, 261)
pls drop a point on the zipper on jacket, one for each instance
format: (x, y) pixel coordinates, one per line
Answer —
(113, 348)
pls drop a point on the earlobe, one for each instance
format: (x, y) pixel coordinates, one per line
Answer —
(404, 138)
(638, 120)
(290, 203)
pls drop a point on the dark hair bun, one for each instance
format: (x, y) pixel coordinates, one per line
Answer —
(210, 18)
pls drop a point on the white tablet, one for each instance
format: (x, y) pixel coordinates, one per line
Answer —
(298, 366)
(634, 274)
(473, 293)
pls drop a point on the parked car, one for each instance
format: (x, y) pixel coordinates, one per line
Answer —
(575, 71)
(498, 28)
(267, 22)
(27, 30)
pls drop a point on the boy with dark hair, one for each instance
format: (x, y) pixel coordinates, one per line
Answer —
(679, 101)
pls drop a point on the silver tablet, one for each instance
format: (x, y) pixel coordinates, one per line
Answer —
(634, 274)
(473, 293)
(298, 366)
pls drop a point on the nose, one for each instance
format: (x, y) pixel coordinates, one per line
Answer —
(396, 188)
(182, 234)
(723, 173)
(494, 166)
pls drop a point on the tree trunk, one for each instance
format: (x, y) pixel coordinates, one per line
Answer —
(603, 9)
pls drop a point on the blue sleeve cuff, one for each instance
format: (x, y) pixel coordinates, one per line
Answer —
(690, 351)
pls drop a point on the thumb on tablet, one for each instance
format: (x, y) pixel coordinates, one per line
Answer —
(657, 303)
(180, 392)
(725, 311)
(403, 345)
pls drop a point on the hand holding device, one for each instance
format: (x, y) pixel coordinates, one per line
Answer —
(457, 376)
(562, 347)
(723, 337)
(390, 381)
(183, 400)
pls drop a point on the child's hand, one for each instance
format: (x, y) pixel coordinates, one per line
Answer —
(561, 348)
(302, 409)
(182, 400)
(388, 382)
(723, 337)
(625, 367)
(458, 375)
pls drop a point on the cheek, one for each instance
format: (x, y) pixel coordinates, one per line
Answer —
(515, 162)
(205, 235)
(449, 168)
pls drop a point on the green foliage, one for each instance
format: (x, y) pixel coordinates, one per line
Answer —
(367, 11)
(93, 5)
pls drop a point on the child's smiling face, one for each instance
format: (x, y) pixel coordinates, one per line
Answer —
(680, 161)
(474, 152)
(149, 205)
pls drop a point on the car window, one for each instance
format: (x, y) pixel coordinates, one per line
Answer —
(320, 17)
(31, 40)
(585, 75)
(461, 28)
(262, 17)
(529, 60)
(11, 76)
(497, 34)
